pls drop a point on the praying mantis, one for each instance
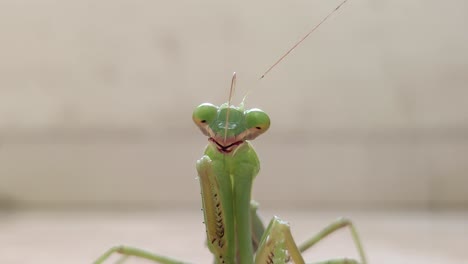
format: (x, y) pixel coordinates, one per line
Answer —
(235, 233)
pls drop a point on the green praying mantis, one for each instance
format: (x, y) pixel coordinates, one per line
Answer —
(235, 233)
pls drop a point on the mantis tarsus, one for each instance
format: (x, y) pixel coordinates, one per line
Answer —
(235, 233)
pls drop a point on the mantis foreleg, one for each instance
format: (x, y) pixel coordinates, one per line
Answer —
(226, 183)
(278, 246)
(216, 192)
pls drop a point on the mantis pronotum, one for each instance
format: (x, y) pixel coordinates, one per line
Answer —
(235, 233)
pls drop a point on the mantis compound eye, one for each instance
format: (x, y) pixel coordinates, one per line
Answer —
(203, 115)
(257, 122)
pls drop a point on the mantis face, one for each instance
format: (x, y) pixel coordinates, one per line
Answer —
(227, 127)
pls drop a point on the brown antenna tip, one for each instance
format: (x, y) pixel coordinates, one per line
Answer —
(303, 38)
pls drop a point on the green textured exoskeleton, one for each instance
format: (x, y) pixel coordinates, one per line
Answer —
(235, 233)
(226, 172)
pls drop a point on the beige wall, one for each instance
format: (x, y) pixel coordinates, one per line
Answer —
(96, 100)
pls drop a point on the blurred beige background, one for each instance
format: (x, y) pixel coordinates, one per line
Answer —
(369, 120)
(370, 112)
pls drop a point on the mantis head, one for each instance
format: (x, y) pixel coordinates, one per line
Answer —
(227, 126)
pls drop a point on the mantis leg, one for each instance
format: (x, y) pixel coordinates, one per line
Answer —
(131, 251)
(277, 245)
(334, 226)
(216, 191)
(277, 240)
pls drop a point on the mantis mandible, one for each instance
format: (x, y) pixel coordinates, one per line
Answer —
(235, 233)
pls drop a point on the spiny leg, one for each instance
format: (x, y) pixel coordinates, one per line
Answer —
(216, 193)
(334, 226)
(277, 245)
(131, 251)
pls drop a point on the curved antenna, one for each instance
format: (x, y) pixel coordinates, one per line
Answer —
(303, 38)
(231, 93)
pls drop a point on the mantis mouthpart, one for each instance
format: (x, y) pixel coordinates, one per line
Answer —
(227, 169)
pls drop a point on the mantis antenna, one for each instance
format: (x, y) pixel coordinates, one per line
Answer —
(231, 93)
(284, 55)
(303, 38)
